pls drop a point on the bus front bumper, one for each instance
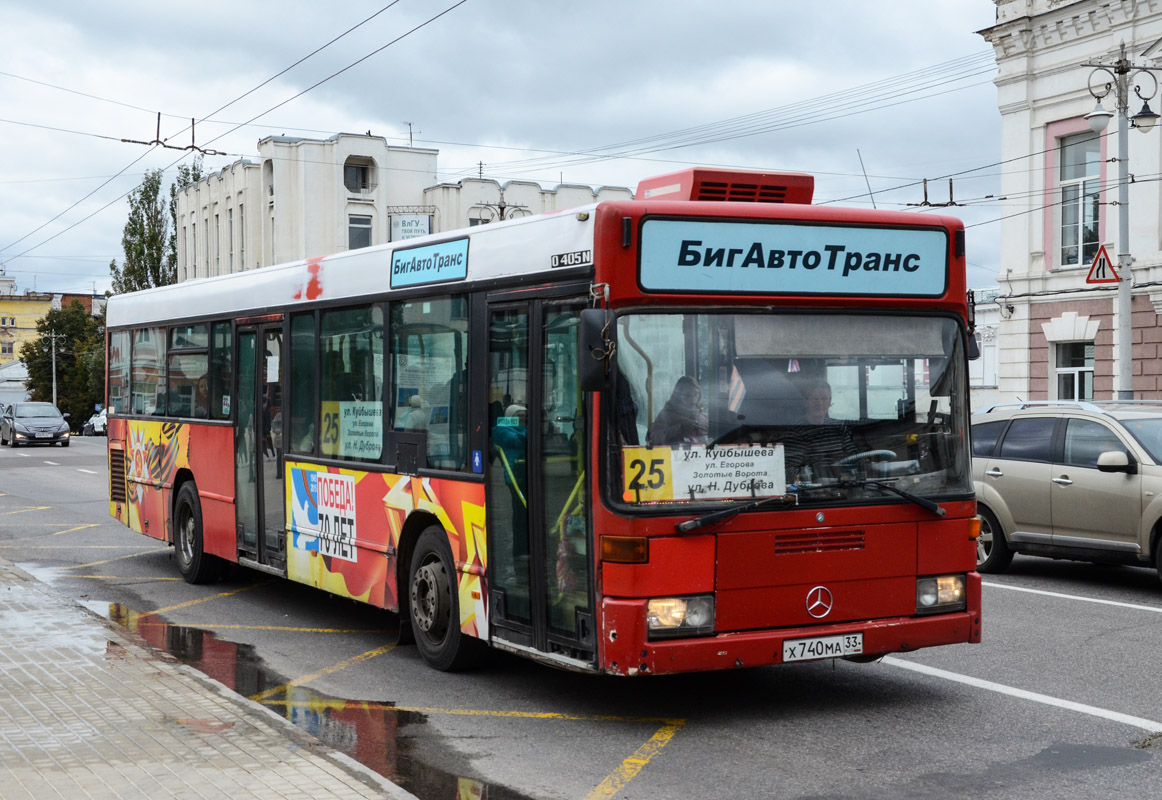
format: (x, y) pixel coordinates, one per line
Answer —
(627, 651)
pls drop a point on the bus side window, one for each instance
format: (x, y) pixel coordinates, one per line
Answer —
(300, 437)
(429, 352)
(221, 370)
(350, 393)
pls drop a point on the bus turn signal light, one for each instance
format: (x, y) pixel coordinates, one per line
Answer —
(625, 549)
(974, 528)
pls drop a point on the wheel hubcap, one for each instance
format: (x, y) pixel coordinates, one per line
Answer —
(984, 545)
(430, 599)
(186, 543)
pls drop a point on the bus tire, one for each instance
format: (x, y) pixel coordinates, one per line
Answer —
(992, 551)
(434, 606)
(193, 562)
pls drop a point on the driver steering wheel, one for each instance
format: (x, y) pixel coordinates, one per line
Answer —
(867, 455)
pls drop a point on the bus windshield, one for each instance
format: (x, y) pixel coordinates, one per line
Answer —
(819, 408)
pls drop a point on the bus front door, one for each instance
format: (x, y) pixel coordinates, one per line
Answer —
(258, 464)
(540, 561)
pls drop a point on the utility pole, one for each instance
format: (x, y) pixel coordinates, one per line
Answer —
(1119, 77)
(52, 337)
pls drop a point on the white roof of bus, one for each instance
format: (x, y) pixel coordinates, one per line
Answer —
(497, 250)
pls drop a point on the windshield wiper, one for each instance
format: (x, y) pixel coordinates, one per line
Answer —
(727, 513)
(923, 502)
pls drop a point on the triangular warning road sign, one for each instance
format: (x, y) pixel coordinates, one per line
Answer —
(1102, 270)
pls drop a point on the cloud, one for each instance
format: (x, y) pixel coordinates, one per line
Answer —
(517, 86)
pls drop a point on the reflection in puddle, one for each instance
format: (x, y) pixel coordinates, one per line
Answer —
(368, 732)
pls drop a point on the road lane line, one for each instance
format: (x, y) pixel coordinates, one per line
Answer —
(118, 558)
(1134, 606)
(1113, 716)
(53, 463)
(350, 662)
(26, 510)
(617, 780)
(54, 533)
(189, 603)
(88, 471)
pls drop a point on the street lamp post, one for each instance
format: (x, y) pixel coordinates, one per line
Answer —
(1119, 74)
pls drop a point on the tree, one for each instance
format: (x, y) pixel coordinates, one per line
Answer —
(80, 356)
(149, 239)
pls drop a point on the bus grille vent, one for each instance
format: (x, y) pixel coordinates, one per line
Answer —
(117, 476)
(742, 192)
(817, 542)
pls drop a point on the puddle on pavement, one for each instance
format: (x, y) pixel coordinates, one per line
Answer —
(369, 732)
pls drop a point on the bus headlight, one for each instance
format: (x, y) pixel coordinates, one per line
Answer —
(674, 617)
(940, 593)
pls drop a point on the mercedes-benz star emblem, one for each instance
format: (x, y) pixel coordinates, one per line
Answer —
(819, 602)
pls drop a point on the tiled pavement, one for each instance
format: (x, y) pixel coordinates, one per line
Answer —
(89, 711)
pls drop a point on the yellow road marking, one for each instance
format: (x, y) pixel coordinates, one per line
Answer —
(71, 547)
(387, 648)
(629, 768)
(25, 510)
(125, 578)
(479, 712)
(288, 628)
(118, 558)
(189, 603)
(56, 533)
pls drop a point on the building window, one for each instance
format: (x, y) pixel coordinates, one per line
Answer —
(358, 232)
(217, 245)
(1080, 176)
(241, 237)
(359, 175)
(6, 349)
(1075, 371)
(230, 237)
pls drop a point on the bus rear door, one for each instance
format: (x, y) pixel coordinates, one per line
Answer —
(258, 466)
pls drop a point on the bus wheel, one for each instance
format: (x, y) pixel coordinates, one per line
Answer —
(193, 563)
(435, 607)
(992, 551)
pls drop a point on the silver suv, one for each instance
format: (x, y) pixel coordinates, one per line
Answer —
(1077, 480)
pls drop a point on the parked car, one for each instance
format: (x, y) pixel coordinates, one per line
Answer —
(1075, 480)
(95, 425)
(34, 423)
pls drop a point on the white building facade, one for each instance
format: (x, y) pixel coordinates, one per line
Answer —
(1056, 332)
(312, 197)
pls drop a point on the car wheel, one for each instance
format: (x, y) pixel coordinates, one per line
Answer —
(193, 562)
(65, 443)
(435, 607)
(992, 550)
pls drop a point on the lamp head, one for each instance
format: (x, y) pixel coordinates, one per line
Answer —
(1099, 118)
(1144, 120)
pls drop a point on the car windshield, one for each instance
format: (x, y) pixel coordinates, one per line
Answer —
(716, 406)
(36, 411)
(1148, 432)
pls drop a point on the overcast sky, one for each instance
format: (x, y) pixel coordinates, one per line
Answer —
(604, 92)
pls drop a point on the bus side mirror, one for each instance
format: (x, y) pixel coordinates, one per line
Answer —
(973, 348)
(596, 348)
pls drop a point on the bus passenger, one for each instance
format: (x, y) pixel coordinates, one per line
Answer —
(510, 437)
(683, 419)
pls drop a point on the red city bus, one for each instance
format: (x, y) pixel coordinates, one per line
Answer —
(712, 427)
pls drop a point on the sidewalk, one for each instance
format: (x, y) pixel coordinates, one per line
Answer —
(89, 711)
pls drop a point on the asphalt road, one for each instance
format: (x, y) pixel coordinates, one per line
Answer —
(1061, 700)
